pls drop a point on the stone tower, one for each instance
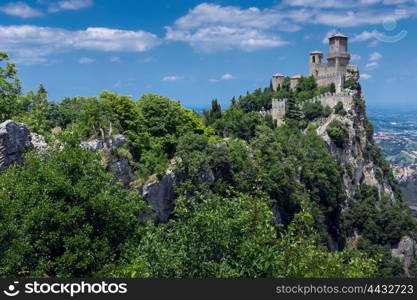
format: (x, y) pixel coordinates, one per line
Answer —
(339, 56)
(277, 81)
(316, 60)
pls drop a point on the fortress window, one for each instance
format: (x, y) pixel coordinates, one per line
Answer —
(314, 59)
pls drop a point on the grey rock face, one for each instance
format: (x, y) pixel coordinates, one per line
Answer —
(160, 194)
(14, 139)
(110, 143)
(354, 156)
(38, 142)
(405, 251)
(122, 170)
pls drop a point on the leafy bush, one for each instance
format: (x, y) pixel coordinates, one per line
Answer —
(338, 109)
(62, 215)
(313, 110)
(338, 133)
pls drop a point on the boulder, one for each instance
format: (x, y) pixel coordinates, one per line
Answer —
(14, 139)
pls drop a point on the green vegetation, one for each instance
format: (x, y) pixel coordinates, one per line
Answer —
(273, 208)
(314, 110)
(353, 85)
(62, 216)
(338, 133)
(381, 224)
(338, 109)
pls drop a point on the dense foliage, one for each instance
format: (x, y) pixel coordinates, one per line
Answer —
(62, 216)
(272, 209)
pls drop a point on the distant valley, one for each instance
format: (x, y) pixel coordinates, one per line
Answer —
(396, 135)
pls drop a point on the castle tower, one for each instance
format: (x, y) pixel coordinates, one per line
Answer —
(294, 80)
(315, 61)
(339, 56)
(277, 81)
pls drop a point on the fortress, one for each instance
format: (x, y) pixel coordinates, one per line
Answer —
(336, 71)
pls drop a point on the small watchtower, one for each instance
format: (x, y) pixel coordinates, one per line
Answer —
(316, 60)
(277, 81)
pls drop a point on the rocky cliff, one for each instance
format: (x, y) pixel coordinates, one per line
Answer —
(357, 157)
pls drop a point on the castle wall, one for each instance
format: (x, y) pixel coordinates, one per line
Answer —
(331, 99)
(278, 110)
(328, 99)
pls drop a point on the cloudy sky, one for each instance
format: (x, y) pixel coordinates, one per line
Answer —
(194, 51)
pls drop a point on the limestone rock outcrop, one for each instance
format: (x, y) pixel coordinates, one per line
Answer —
(15, 138)
(359, 166)
(160, 193)
(110, 143)
(122, 170)
(406, 250)
(38, 142)
(106, 147)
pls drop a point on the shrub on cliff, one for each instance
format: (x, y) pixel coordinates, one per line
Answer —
(338, 133)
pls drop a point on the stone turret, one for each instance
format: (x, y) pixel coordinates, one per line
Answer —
(316, 60)
(277, 81)
(294, 80)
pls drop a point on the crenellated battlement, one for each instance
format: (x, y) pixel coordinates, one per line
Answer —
(279, 106)
(331, 99)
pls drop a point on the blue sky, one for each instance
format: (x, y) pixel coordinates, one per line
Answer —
(194, 51)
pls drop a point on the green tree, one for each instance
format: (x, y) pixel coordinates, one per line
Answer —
(10, 88)
(213, 114)
(61, 215)
(234, 238)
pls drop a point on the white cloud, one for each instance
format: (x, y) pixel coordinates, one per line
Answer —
(372, 65)
(227, 76)
(210, 27)
(355, 57)
(86, 60)
(115, 59)
(375, 56)
(171, 78)
(20, 9)
(319, 3)
(341, 4)
(363, 36)
(69, 5)
(31, 44)
(366, 76)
